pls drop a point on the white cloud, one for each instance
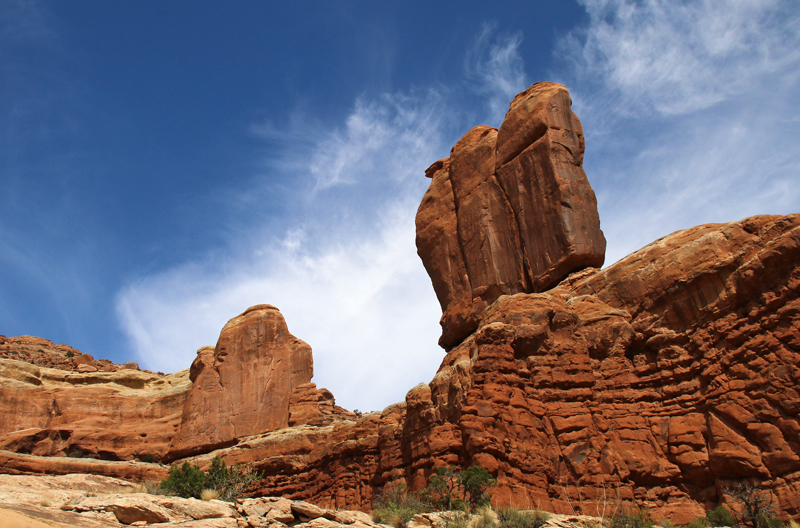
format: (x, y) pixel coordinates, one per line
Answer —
(344, 270)
(343, 267)
(690, 111)
(689, 118)
(675, 57)
(496, 68)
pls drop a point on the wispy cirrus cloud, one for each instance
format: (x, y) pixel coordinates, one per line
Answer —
(495, 68)
(342, 267)
(690, 111)
(343, 270)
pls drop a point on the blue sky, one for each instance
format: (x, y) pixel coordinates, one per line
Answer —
(165, 165)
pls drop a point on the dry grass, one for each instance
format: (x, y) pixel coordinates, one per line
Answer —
(209, 494)
(484, 518)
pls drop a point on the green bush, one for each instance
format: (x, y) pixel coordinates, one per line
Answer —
(395, 506)
(631, 518)
(698, 522)
(450, 489)
(511, 517)
(720, 516)
(190, 481)
(184, 481)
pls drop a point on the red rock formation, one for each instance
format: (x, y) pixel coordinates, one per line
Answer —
(509, 211)
(115, 415)
(44, 353)
(89, 408)
(309, 405)
(242, 387)
(662, 379)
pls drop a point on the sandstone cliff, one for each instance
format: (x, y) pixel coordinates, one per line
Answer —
(85, 415)
(662, 379)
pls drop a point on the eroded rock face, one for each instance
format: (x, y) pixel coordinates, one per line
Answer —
(662, 379)
(509, 211)
(242, 387)
(116, 415)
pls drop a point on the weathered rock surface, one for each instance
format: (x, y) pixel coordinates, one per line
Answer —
(662, 379)
(309, 405)
(88, 501)
(43, 353)
(509, 211)
(242, 387)
(255, 380)
(666, 378)
(115, 415)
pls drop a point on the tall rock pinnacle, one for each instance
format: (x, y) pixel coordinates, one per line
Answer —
(509, 211)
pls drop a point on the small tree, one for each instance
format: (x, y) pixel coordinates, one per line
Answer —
(441, 488)
(757, 510)
(450, 488)
(475, 481)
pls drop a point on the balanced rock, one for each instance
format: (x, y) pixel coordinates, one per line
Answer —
(510, 210)
(242, 386)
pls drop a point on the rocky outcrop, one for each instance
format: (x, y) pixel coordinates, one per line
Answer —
(309, 405)
(509, 211)
(242, 387)
(663, 379)
(43, 353)
(255, 380)
(92, 501)
(117, 415)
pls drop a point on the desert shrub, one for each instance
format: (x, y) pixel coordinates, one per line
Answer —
(237, 479)
(450, 489)
(456, 519)
(698, 522)
(720, 516)
(757, 510)
(185, 481)
(229, 483)
(511, 517)
(396, 506)
(631, 518)
(209, 494)
(485, 518)
(70, 353)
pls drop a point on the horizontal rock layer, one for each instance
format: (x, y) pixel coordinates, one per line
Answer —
(664, 379)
